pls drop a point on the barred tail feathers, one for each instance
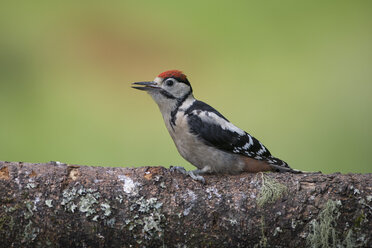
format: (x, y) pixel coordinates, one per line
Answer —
(279, 165)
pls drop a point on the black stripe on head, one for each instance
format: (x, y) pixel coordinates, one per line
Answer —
(179, 103)
(167, 94)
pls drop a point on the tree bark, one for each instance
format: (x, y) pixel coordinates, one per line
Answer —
(60, 205)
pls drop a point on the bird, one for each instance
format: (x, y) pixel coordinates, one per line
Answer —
(202, 135)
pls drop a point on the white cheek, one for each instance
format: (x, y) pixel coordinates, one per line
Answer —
(179, 90)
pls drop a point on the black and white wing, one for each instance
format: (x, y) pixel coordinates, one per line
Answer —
(215, 130)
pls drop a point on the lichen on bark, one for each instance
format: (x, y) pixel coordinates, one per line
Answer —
(61, 205)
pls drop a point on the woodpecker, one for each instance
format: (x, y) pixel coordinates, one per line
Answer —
(202, 135)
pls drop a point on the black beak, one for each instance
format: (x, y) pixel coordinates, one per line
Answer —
(145, 85)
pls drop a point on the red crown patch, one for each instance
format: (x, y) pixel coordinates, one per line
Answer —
(173, 73)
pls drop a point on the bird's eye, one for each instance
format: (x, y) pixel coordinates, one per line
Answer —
(169, 82)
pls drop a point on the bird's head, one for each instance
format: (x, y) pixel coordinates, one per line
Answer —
(168, 87)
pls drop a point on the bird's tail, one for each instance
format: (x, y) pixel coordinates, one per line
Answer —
(279, 165)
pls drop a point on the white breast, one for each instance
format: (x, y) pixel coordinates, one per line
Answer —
(196, 152)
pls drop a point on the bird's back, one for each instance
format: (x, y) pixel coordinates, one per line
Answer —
(214, 130)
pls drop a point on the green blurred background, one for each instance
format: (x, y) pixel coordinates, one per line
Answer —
(295, 74)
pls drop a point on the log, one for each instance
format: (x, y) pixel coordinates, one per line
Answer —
(61, 205)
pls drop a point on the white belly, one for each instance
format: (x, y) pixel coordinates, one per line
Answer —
(197, 153)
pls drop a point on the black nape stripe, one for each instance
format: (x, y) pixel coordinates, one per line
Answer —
(179, 103)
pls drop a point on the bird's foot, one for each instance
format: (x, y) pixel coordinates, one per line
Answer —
(196, 176)
(193, 174)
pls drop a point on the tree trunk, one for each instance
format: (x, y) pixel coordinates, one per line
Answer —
(60, 205)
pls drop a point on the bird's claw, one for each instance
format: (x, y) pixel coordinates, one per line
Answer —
(196, 177)
(191, 174)
(178, 169)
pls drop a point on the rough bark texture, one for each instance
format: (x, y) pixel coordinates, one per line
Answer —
(60, 205)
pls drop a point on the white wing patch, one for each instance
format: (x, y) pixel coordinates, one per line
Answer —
(262, 150)
(249, 144)
(215, 119)
(187, 103)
